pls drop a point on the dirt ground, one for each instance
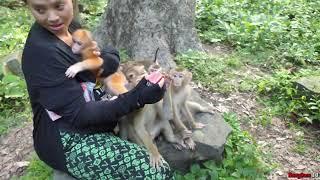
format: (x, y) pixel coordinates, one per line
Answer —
(16, 148)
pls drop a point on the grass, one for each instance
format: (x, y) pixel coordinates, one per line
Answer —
(219, 74)
(243, 158)
(37, 170)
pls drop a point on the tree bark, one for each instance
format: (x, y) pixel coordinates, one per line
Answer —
(142, 26)
(76, 15)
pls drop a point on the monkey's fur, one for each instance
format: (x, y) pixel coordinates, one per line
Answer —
(180, 92)
(143, 125)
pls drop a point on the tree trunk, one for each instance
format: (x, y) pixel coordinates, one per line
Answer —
(76, 10)
(141, 26)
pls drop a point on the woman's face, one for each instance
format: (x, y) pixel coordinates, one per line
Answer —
(54, 15)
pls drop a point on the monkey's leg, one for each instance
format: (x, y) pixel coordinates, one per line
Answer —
(164, 126)
(189, 117)
(116, 83)
(182, 129)
(140, 129)
(168, 134)
(123, 128)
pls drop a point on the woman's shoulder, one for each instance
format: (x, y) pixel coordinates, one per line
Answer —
(40, 38)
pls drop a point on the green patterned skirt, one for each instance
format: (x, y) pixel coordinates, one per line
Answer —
(105, 156)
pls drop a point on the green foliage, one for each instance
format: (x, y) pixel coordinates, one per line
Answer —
(12, 4)
(272, 34)
(217, 73)
(14, 107)
(287, 28)
(284, 98)
(14, 27)
(92, 12)
(123, 55)
(242, 159)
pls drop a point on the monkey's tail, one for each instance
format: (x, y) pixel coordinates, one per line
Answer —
(156, 55)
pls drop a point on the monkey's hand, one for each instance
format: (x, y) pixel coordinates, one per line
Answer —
(186, 133)
(95, 48)
(73, 70)
(198, 125)
(179, 145)
(156, 160)
(190, 143)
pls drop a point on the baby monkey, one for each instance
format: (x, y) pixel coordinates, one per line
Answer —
(83, 44)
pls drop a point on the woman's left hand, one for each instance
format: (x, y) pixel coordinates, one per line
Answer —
(156, 78)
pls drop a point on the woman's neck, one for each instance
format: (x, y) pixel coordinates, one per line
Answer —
(65, 37)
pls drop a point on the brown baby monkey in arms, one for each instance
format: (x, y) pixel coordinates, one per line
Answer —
(83, 44)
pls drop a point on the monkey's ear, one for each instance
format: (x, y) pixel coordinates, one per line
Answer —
(141, 68)
(120, 68)
(188, 76)
(124, 67)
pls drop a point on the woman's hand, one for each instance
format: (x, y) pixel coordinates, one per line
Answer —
(150, 89)
(156, 78)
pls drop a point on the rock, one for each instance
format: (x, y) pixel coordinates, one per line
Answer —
(22, 164)
(210, 142)
(309, 84)
(12, 64)
(58, 175)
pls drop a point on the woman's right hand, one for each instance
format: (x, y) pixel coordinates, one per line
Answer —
(150, 92)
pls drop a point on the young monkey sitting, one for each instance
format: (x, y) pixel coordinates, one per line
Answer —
(83, 44)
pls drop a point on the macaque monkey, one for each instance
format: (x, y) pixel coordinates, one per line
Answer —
(180, 91)
(144, 125)
(134, 72)
(83, 44)
(116, 83)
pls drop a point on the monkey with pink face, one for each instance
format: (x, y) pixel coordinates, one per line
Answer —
(182, 107)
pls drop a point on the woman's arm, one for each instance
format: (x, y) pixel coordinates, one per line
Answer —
(64, 96)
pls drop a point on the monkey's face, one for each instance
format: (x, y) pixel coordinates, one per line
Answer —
(135, 74)
(76, 46)
(177, 78)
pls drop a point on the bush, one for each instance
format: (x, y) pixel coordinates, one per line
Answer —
(290, 29)
(283, 96)
(14, 105)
